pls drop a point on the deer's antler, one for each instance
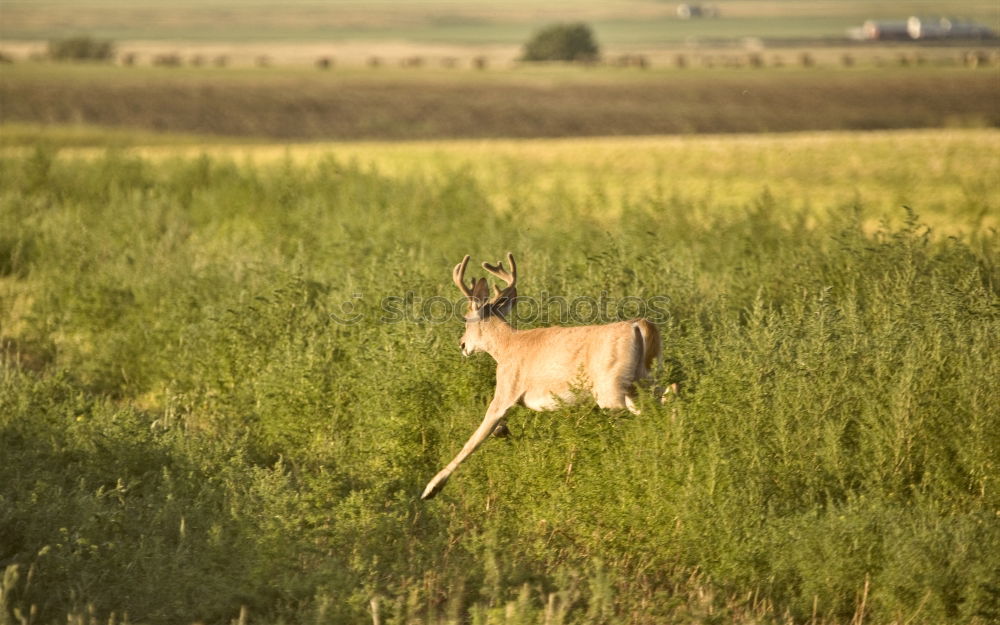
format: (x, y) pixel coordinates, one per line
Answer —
(458, 275)
(510, 277)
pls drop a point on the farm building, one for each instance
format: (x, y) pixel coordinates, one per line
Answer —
(689, 11)
(946, 28)
(922, 29)
(884, 31)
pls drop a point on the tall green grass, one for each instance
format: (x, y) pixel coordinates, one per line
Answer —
(188, 429)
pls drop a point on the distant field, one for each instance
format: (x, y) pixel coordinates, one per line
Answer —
(633, 22)
(306, 104)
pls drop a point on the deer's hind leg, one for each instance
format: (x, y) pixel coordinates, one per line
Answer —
(618, 401)
(616, 395)
(617, 388)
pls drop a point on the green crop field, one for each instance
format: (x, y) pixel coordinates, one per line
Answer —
(227, 371)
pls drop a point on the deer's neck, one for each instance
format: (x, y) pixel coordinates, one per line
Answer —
(498, 339)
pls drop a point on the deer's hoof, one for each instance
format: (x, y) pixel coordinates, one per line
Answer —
(433, 488)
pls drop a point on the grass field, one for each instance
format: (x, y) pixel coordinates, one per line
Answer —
(224, 383)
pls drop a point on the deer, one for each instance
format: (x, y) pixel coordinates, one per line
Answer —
(544, 368)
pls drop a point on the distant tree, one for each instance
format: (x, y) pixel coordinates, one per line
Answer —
(562, 42)
(81, 49)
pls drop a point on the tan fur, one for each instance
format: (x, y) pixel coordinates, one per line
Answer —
(543, 367)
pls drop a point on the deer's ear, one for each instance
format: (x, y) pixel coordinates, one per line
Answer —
(480, 293)
(505, 301)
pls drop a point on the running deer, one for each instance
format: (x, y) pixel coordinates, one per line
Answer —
(542, 368)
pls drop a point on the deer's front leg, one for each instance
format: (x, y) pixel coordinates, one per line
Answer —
(498, 408)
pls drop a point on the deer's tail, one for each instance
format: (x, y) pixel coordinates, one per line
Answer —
(652, 347)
